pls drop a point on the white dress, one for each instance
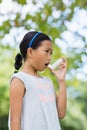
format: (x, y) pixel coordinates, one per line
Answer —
(39, 110)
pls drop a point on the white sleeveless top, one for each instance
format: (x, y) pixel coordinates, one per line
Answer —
(39, 110)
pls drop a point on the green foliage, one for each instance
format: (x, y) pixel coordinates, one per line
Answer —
(6, 65)
(3, 122)
(6, 26)
(74, 117)
(22, 2)
(0, 1)
(44, 20)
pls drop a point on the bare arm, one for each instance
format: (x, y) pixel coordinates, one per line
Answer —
(62, 98)
(16, 96)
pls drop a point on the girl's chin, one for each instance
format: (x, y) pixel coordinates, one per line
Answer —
(42, 69)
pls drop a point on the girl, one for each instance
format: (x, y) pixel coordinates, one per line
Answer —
(33, 102)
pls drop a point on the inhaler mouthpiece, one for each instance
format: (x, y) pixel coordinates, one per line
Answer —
(56, 64)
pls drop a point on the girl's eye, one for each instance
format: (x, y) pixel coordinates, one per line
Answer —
(47, 50)
(51, 52)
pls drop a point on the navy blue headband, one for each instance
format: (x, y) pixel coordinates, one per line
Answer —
(31, 42)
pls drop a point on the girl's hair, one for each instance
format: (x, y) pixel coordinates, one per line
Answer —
(32, 39)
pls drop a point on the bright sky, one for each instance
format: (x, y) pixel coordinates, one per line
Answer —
(78, 24)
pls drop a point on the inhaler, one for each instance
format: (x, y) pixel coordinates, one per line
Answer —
(55, 64)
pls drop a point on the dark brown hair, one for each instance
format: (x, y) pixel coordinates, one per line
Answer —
(25, 44)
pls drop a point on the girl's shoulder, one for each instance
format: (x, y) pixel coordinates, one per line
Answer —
(17, 76)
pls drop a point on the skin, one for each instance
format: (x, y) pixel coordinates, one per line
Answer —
(36, 60)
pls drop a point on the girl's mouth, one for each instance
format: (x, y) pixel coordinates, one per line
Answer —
(46, 64)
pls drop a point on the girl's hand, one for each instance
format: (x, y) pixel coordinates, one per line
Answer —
(61, 72)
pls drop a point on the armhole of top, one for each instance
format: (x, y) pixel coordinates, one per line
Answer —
(21, 81)
(17, 78)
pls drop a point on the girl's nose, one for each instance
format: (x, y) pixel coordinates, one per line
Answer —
(49, 57)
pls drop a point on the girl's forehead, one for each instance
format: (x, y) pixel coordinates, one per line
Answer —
(46, 44)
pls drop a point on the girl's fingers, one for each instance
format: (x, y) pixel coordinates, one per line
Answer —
(63, 65)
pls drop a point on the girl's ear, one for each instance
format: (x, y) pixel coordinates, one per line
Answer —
(30, 52)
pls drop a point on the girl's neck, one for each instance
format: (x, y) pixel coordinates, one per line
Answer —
(30, 70)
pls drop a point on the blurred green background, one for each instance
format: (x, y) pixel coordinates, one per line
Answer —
(65, 21)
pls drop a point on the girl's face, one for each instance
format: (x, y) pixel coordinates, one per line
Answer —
(42, 55)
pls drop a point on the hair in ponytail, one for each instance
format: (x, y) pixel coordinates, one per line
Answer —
(18, 62)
